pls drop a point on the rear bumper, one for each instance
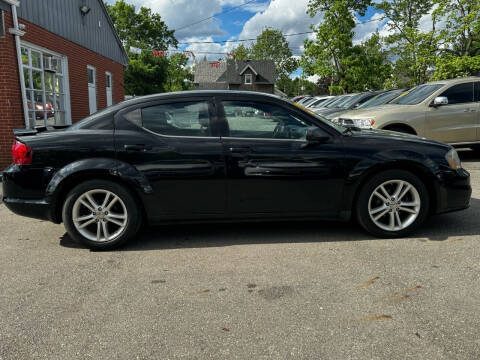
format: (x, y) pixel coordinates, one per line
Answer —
(24, 193)
(37, 209)
(454, 191)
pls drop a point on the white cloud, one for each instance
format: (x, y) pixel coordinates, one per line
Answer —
(363, 30)
(179, 13)
(285, 15)
(215, 51)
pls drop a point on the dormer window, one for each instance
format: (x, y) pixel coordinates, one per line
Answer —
(248, 79)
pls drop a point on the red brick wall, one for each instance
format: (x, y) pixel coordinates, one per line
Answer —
(11, 111)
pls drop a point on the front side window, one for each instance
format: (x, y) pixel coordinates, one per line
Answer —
(417, 94)
(178, 119)
(264, 121)
(459, 94)
(45, 81)
(477, 91)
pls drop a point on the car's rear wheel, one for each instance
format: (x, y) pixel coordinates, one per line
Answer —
(101, 214)
(392, 204)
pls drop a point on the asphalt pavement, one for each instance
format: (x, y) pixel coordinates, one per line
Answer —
(291, 290)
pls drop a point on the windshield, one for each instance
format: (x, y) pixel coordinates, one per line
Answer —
(381, 99)
(328, 101)
(337, 101)
(417, 94)
(318, 102)
(351, 101)
(324, 120)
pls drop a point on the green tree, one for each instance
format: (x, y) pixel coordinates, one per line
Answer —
(460, 39)
(272, 45)
(146, 74)
(333, 55)
(241, 52)
(142, 29)
(179, 75)
(415, 51)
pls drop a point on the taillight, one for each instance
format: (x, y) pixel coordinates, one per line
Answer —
(22, 153)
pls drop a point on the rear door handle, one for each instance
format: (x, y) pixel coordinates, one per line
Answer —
(137, 147)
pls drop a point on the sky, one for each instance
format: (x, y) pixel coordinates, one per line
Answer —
(244, 19)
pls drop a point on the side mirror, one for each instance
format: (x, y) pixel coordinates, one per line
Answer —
(315, 136)
(440, 100)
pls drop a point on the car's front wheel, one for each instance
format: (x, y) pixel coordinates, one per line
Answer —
(101, 214)
(392, 204)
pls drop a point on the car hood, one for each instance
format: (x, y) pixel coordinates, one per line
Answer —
(396, 136)
(370, 112)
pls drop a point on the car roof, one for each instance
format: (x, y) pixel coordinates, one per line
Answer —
(187, 93)
(454, 81)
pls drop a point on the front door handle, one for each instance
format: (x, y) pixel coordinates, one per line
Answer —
(469, 110)
(137, 147)
(239, 149)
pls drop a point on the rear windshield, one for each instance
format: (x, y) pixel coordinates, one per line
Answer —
(417, 94)
(90, 121)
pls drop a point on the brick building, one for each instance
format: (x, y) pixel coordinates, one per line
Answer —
(250, 75)
(71, 61)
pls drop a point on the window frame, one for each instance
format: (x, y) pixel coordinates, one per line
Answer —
(215, 133)
(65, 82)
(452, 86)
(223, 123)
(249, 76)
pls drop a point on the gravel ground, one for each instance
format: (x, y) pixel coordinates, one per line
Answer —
(244, 291)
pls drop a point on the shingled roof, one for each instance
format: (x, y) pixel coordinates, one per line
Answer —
(230, 71)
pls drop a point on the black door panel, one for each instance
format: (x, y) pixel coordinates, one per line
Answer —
(282, 177)
(186, 173)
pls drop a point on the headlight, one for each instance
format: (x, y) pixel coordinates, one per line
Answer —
(453, 159)
(365, 123)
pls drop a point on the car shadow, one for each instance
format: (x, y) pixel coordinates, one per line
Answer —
(436, 228)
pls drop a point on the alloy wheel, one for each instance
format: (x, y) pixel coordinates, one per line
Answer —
(99, 215)
(394, 205)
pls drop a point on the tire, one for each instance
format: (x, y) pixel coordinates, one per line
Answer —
(118, 221)
(370, 206)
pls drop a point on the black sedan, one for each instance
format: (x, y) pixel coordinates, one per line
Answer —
(226, 156)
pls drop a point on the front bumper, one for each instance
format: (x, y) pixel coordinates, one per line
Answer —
(454, 191)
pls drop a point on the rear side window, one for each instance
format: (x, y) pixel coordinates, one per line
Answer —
(178, 119)
(477, 91)
(459, 94)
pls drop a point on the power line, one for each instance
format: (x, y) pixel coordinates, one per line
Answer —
(211, 17)
(254, 39)
(238, 40)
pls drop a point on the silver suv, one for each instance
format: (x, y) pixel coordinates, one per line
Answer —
(447, 111)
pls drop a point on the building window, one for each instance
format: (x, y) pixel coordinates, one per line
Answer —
(45, 83)
(2, 24)
(248, 79)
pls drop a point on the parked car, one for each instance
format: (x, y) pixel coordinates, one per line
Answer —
(304, 100)
(131, 163)
(352, 102)
(447, 111)
(382, 98)
(319, 101)
(39, 110)
(298, 98)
